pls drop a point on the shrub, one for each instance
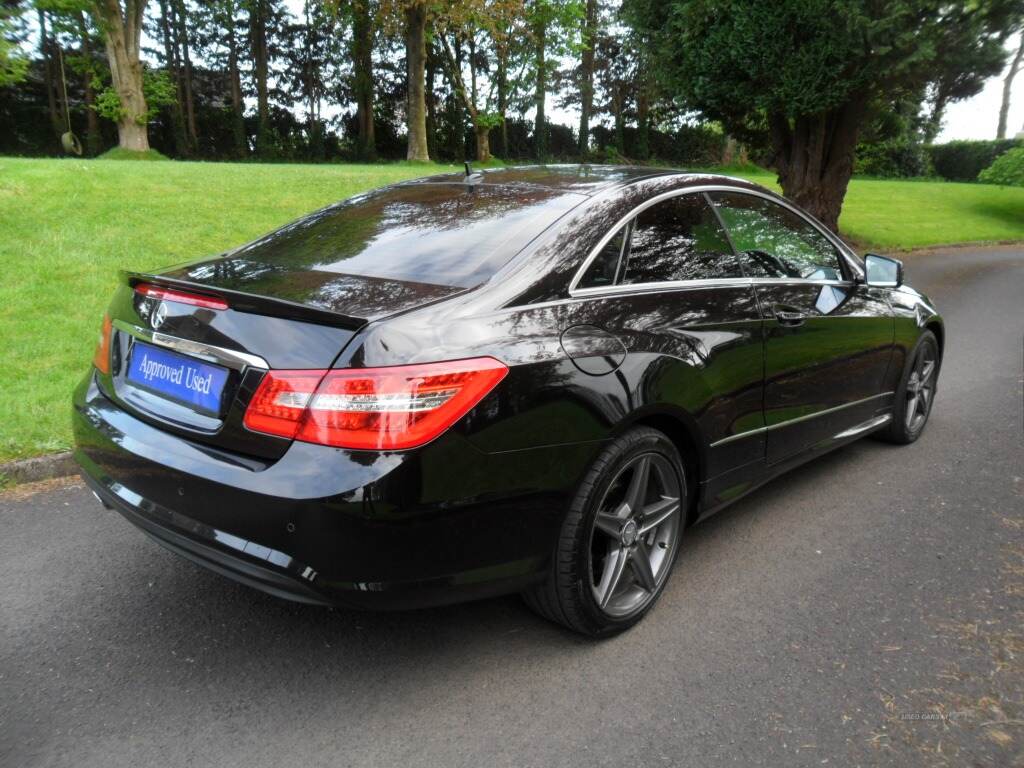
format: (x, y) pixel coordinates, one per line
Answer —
(1007, 169)
(964, 160)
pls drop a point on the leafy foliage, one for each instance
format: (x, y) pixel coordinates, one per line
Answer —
(1007, 170)
(13, 66)
(157, 87)
(892, 143)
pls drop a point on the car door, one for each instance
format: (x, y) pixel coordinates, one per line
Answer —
(668, 285)
(828, 337)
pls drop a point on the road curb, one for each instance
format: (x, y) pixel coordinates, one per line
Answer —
(40, 468)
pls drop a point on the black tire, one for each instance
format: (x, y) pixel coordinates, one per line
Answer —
(905, 426)
(569, 595)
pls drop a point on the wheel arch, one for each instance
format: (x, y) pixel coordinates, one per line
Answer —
(935, 326)
(686, 435)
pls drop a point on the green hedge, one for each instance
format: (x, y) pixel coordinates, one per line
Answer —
(964, 160)
(896, 158)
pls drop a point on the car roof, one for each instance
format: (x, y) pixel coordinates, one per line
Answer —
(581, 179)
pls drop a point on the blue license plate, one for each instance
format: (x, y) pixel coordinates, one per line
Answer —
(177, 377)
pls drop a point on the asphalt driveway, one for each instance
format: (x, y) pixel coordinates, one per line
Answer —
(867, 609)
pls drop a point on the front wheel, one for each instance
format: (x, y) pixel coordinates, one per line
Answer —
(916, 392)
(620, 538)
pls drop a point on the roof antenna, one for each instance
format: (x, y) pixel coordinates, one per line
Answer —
(469, 171)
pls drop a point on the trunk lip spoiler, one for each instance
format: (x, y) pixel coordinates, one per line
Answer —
(250, 303)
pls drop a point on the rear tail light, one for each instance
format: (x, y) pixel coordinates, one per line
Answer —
(391, 408)
(101, 357)
(168, 294)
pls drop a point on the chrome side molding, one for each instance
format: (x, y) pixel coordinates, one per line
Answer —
(874, 422)
(867, 426)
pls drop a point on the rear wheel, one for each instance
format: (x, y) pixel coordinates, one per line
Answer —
(620, 538)
(916, 392)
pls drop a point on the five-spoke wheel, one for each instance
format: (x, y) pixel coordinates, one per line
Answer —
(633, 534)
(920, 387)
(620, 537)
(916, 392)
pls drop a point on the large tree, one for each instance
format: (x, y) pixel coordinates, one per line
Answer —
(221, 38)
(260, 18)
(810, 72)
(363, 30)
(484, 25)
(553, 31)
(589, 43)
(121, 24)
(412, 18)
(416, 16)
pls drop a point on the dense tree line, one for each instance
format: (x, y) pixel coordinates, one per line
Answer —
(799, 83)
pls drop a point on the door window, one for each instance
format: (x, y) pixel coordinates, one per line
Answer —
(773, 241)
(678, 239)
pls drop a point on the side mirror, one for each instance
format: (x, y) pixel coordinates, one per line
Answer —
(883, 271)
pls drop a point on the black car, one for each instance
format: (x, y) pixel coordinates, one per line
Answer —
(525, 380)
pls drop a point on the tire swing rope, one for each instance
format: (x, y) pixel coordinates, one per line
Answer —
(68, 140)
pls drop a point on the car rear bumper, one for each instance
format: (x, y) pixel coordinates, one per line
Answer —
(446, 523)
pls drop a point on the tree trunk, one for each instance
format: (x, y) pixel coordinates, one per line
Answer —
(416, 58)
(430, 98)
(814, 158)
(456, 121)
(362, 76)
(260, 65)
(540, 128)
(1004, 108)
(620, 121)
(237, 110)
(314, 127)
(502, 88)
(587, 76)
(186, 76)
(728, 151)
(483, 142)
(123, 34)
(92, 124)
(171, 58)
(643, 144)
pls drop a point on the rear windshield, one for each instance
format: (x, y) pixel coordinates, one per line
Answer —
(445, 234)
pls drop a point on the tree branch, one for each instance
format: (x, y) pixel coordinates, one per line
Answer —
(456, 77)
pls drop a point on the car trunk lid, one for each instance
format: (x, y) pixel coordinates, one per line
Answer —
(190, 346)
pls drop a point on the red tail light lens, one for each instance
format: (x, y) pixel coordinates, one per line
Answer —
(378, 409)
(101, 357)
(168, 294)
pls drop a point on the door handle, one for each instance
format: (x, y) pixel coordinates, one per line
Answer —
(788, 315)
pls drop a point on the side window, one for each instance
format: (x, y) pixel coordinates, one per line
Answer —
(678, 239)
(773, 241)
(604, 268)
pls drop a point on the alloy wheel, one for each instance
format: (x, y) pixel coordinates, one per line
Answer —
(635, 532)
(920, 388)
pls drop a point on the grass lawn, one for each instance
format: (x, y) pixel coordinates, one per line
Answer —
(67, 226)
